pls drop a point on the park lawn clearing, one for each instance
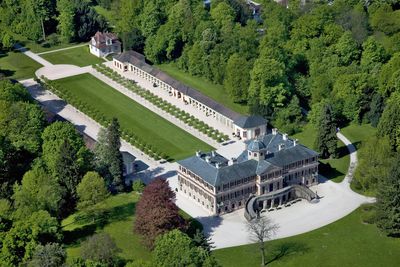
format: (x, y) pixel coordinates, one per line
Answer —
(208, 88)
(78, 56)
(116, 219)
(358, 133)
(16, 65)
(338, 166)
(115, 216)
(347, 242)
(133, 117)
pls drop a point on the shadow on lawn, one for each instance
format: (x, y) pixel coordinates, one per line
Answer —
(286, 249)
(96, 219)
(6, 73)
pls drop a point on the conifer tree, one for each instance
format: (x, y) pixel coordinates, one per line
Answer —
(388, 200)
(108, 157)
(326, 142)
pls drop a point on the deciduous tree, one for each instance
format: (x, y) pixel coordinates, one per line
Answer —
(38, 191)
(156, 212)
(260, 230)
(49, 255)
(91, 190)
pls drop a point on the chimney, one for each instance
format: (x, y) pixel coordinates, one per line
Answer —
(208, 159)
(284, 136)
(281, 146)
(274, 131)
(198, 153)
(295, 142)
(232, 161)
(213, 153)
(217, 165)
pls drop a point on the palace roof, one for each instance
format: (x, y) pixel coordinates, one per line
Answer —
(216, 170)
(245, 122)
(139, 61)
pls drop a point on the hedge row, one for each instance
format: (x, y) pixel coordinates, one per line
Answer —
(183, 116)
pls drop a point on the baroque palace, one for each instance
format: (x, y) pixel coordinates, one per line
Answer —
(272, 166)
(272, 170)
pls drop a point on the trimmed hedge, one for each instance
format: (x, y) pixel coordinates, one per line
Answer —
(159, 102)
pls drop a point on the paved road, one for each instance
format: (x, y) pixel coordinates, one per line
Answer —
(32, 55)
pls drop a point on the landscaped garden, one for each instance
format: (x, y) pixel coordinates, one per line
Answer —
(337, 168)
(140, 126)
(182, 115)
(16, 65)
(208, 88)
(79, 56)
(347, 242)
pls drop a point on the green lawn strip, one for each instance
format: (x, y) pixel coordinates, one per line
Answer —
(208, 88)
(133, 117)
(159, 102)
(347, 242)
(79, 56)
(16, 65)
(357, 134)
(338, 167)
(38, 47)
(116, 219)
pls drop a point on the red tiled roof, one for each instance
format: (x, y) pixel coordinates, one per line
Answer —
(101, 37)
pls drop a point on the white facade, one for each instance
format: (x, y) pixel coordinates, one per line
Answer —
(251, 133)
(173, 92)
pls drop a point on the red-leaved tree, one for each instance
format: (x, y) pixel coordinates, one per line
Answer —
(156, 212)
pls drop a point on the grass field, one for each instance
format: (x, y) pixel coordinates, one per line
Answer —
(339, 165)
(117, 221)
(16, 65)
(208, 88)
(356, 133)
(132, 116)
(116, 218)
(347, 242)
(79, 56)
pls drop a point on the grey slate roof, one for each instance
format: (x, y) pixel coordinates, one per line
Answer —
(275, 160)
(291, 155)
(246, 122)
(256, 145)
(138, 60)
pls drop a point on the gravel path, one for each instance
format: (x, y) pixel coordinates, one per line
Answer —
(155, 109)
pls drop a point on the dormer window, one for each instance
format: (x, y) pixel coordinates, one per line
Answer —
(108, 41)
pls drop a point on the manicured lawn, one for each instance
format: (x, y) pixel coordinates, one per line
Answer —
(338, 167)
(117, 220)
(16, 65)
(208, 88)
(347, 242)
(38, 48)
(133, 117)
(79, 56)
(358, 134)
